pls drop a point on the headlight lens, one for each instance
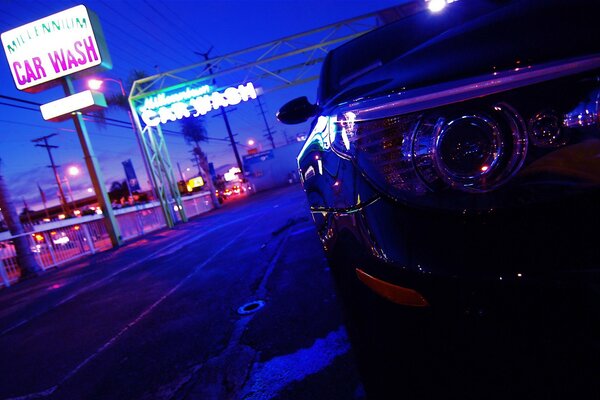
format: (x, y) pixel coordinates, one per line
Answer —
(471, 152)
(416, 153)
(468, 146)
(475, 146)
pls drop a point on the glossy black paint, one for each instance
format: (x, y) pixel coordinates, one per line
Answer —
(533, 236)
(468, 39)
(297, 111)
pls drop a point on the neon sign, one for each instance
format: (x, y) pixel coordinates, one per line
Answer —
(55, 46)
(192, 102)
(162, 99)
(194, 183)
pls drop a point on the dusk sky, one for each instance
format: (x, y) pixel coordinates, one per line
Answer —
(153, 37)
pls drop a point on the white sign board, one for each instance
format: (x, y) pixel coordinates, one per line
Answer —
(61, 109)
(61, 44)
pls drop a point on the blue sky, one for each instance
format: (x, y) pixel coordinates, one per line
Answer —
(152, 36)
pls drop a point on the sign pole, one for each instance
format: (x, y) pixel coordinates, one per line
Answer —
(94, 170)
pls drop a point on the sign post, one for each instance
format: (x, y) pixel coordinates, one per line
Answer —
(93, 167)
(48, 52)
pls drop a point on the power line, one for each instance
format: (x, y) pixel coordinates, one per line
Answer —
(95, 118)
(146, 31)
(224, 114)
(165, 16)
(269, 135)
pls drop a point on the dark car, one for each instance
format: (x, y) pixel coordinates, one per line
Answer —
(454, 159)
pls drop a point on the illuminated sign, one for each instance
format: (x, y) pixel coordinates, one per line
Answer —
(232, 174)
(258, 157)
(162, 99)
(61, 44)
(194, 183)
(62, 109)
(192, 102)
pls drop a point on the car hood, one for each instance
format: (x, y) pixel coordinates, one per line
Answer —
(467, 39)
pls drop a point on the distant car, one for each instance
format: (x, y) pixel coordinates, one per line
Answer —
(454, 157)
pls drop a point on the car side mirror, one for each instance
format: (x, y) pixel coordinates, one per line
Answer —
(297, 111)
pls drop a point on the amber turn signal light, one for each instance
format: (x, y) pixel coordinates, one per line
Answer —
(394, 293)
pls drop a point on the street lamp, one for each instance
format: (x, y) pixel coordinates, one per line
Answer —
(252, 146)
(96, 84)
(73, 171)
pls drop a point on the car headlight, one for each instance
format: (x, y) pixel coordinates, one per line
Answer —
(470, 151)
(470, 147)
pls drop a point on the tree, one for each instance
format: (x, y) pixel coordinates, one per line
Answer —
(118, 190)
(25, 257)
(116, 99)
(193, 131)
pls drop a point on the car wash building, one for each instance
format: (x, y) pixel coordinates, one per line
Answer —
(273, 168)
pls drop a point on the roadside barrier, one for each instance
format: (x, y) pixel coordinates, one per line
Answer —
(58, 242)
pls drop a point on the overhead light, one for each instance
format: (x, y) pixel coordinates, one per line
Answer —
(95, 84)
(438, 5)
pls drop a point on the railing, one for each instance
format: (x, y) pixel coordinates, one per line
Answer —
(9, 269)
(139, 220)
(56, 243)
(197, 204)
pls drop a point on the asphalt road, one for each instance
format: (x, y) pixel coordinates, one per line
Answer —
(160, 318)
(239, 304)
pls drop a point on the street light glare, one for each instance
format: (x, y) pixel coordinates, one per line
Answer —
(95, 84)
(436, 5)
(251, 142)
(73, 170)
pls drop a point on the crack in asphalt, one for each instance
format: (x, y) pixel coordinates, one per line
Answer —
(236, 373)
(233, 356)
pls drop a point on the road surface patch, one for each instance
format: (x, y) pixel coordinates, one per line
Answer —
(268, 378)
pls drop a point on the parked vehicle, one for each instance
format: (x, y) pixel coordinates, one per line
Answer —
(454, 158)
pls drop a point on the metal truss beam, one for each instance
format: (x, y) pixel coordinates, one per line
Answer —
(272, 66)
(270, 62)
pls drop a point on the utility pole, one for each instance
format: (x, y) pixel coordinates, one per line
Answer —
(27, 212)
(26, 259)
(49, 147)
(269, 134)
(224, 114)
(196, 161)
(180, 173)
(43, 196)
(204, 170)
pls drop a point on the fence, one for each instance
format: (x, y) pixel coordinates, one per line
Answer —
(197, 204)
(56, 243)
